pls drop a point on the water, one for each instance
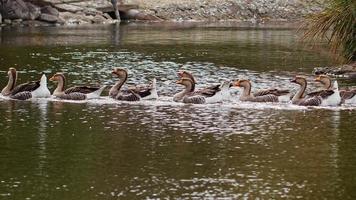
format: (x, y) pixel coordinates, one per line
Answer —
(103, 149)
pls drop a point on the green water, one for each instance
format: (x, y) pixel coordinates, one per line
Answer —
(114, 150)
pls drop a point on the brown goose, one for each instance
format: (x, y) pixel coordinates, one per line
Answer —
(272, 95)
(188, 95)
(133, 93)
(32, 89)
(210, 89)
(12, 73)
(347, 96)
(74, 93)
(298, 98)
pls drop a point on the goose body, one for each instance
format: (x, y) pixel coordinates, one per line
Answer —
(271, 95)
(12, 74)
(311, 100)
(74, 93)
(133, 93)
(333, 99)
(33, 89)
(189, 95)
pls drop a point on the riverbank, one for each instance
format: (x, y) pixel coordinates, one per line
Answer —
(69, 12)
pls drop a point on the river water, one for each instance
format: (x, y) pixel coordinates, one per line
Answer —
(103, 149)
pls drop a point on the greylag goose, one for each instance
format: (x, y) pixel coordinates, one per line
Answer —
(188, 95)
(12, 73)
(329, 100)
(345, 96)
(315, 100)
(271, 95)
(185, 74)
(76, 92)
(33, 89)
(133, 93)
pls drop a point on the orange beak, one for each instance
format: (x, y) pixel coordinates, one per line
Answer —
(318, 78)
(236, 84)
(179, 81)
(52, 78)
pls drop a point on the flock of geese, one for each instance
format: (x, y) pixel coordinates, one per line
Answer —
(330, 95)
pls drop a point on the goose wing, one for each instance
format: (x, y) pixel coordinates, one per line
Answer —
(275, 92)
(81, 89)
(313, 101)
(194, 99)
(26, 87)
(347, 94)
(128, 95)
(322, 93)
(265, 98)
(142, 90)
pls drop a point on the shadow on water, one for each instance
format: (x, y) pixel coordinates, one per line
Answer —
(104, 149)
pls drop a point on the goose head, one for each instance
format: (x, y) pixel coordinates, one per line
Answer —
(242, 83)
(188, 83)
(185, 74)
(299, 80)
(57, 77)
(119, 72)
(325, 80)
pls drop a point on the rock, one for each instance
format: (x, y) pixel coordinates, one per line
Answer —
(68, 8)
(49, 10)
(48, 18)
(34, 11)
(18, 9)
(7, 21)
(98, 19)
(74, 18)
(14, 9)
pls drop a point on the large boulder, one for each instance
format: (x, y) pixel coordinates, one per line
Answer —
(50, 11)
(18, 9)
(48, 18)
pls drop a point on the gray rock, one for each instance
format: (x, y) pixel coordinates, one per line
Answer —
(50, 10)
(98, 19)
(48, 18)
(7, 21)
(34, 11)
(14, 9)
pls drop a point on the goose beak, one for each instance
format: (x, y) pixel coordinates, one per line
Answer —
(180, 74)
(293, 81)
(179, 82)
(236, 84)
(318, 79)
(52, 78)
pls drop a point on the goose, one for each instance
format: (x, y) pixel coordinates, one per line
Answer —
(188, 95)
(12, 73)
(329, 100)
(133, 93)
(76, 92)
(271, 95)
(344, 96)
(33, 89)
(212, 89)
(186, 74)
(299, 99)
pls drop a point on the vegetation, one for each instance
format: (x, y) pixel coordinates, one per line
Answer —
(337, 24)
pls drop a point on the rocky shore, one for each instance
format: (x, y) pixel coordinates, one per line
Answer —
(68, 12)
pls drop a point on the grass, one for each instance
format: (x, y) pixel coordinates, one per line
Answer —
(336, 23)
